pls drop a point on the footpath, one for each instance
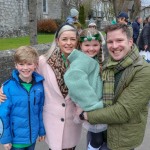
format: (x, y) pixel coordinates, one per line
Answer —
(82, 145)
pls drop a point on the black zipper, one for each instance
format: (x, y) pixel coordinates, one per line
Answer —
(34, 97)
(29, 116)
(13, 134)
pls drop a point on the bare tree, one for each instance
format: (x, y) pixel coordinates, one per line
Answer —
(68, 4)
(33, 21)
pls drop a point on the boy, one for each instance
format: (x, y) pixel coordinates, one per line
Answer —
(21, 113)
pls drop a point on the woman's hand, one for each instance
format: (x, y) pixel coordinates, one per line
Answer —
(2, 96)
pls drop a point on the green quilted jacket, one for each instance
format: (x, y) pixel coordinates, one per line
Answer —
(127, 117)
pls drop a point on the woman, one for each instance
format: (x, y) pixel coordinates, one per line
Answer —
(59, 110)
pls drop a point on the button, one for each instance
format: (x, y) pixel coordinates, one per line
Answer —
(62, 119)
(63, 104)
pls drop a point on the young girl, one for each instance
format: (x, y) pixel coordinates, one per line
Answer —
(83, 79)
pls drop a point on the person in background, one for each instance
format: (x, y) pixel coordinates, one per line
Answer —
(144, 39)
(145, 21)
(84, 83)
(62, 133)
(122, 18)
(21, 113)
(92, 24)
(73, 18)
(125, 75)
(136, 28)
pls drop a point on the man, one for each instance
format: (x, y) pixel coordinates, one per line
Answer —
(144, 40)
(136, 28)
(125, 91)
(122, 18)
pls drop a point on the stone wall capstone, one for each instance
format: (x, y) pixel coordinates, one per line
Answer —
(7, 61)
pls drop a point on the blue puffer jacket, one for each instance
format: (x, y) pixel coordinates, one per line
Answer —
(21, 113)
(70, 20)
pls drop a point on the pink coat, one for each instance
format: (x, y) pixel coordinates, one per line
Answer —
(58, 113)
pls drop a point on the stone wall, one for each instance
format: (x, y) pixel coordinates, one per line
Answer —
(13, 18)
(7, 63)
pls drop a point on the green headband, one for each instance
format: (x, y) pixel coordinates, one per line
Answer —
(90, 38)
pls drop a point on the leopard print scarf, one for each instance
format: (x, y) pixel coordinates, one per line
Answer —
(58, 66)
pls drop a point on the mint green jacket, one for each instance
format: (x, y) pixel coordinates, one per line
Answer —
(83, 81)
(127, 117)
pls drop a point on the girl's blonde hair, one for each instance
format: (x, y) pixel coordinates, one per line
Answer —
(26, 54)
(54, 47)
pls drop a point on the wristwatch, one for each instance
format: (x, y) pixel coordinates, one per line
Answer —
(81, 116)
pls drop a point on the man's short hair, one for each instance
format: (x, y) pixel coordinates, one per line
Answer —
(118, 26)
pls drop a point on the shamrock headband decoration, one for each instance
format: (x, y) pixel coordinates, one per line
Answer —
(90, 37)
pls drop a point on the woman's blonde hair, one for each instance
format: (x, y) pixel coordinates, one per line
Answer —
(26, 54)
(54, 47)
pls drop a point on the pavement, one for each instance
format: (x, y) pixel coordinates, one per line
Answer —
(82, 145)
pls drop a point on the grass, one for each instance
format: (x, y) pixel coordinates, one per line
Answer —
(12, 43)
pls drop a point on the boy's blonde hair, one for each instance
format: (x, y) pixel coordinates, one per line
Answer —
(26, 54)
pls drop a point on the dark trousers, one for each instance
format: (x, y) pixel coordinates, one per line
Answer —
(135, 40)
(68, 148)
(25, 148)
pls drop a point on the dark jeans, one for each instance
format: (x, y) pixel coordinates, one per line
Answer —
(25, 148)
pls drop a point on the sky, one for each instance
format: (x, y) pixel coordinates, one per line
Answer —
(145, 2)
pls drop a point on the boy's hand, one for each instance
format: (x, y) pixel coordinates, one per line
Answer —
(41, 138)
(7, 146)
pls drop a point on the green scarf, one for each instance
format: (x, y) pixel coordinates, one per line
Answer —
(110, 69)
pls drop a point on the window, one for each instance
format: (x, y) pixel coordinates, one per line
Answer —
(45, 7)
